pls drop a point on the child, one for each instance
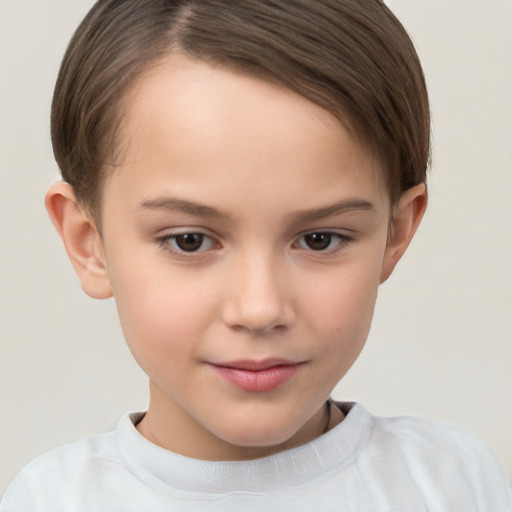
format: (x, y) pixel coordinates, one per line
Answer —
(241, 177)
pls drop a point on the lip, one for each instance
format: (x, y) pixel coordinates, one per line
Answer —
(256, 376)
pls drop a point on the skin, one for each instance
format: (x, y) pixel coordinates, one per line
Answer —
(255, 169)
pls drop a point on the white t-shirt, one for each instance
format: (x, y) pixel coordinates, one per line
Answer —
(365, 464)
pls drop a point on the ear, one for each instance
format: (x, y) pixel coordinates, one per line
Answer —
(407, 215)
(81, 238)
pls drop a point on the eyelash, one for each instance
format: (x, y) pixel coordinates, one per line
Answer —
(332, 236)
(166, 242)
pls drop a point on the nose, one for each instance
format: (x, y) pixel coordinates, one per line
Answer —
(258, 299)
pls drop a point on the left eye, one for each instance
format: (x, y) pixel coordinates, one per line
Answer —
(189, 242)
(320, 241)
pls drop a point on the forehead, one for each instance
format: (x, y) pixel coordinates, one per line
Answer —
(207, 99)
(188, 121)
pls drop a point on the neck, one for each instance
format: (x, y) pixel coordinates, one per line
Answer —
(175, 431)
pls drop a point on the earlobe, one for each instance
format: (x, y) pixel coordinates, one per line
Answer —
(81, 239)
(407, 215)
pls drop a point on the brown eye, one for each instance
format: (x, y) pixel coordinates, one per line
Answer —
(189, 242)
(323, 241)
(180, 244)
(318, 241)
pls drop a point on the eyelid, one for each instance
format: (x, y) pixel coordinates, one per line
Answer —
(343, 240)
(164, 241)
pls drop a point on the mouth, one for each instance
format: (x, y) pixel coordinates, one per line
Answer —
(256, 376)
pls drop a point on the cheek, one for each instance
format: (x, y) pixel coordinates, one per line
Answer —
(341, 307)
(161, 315)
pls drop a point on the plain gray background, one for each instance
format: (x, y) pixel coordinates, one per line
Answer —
(441, 343)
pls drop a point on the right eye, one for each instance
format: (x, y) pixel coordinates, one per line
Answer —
(186, 242)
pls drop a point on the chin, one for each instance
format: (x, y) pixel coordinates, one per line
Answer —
(258, 440)
(258, 437)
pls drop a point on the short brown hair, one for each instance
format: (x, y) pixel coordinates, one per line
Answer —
(351, 57)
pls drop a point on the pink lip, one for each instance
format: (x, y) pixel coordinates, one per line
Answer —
(258, 376)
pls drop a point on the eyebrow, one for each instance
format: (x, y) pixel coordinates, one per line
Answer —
(201, 210)
(183, 206)
(339, 208)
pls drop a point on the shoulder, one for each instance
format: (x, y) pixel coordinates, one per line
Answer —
(439, 459)
(418, 436)
(62, 472)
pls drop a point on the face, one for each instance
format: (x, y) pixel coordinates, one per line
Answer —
(244, 234)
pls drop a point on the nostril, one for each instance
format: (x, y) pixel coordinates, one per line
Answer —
(257, 297)
(258, 318)
(254, 330)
